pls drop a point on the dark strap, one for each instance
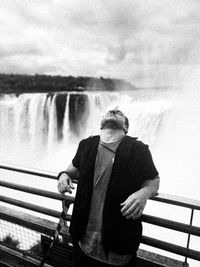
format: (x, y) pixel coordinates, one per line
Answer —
(61, 223)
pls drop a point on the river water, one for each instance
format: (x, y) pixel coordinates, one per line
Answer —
(42, 131)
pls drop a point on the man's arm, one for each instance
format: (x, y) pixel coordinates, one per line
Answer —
(134, 205)
(65, 179)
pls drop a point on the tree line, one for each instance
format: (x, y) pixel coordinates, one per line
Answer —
(19, 83)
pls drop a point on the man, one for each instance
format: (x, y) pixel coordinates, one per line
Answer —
(116, 175)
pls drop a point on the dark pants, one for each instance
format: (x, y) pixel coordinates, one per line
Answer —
(80, 259)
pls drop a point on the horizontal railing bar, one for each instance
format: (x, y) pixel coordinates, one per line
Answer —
(187, 203)
(190, 253)
(173, 225)
(32, 222)
(32, 207)
(42, 174)
(27, 220)
(37, 191)
(148, 219)
(178, 201)
(145, 218)
(14, 256)
(169, 199)
(165, 198)
(29, 171)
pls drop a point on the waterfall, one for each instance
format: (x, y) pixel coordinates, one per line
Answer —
(43, 130)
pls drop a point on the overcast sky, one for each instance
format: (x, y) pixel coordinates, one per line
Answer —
(142, 41)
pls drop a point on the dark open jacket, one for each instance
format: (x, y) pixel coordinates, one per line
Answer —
(132, 166)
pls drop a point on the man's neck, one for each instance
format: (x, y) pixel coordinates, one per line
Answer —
(111, 135)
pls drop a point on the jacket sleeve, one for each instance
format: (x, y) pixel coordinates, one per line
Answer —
(146, 165)
(77, 158)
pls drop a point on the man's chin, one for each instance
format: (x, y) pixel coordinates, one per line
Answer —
(111, 124)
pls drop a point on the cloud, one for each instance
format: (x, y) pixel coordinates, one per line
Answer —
(125, 39)
(22, 49)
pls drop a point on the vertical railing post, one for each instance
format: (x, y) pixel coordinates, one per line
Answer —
(188, 240)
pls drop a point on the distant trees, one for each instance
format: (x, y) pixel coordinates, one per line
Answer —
(15, 83)
(11, 242)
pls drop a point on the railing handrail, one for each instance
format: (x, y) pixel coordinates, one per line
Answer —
(173, 225)
(36, 191)
(30, 171)
(177, 201)
(47, 227)
(164, 198)
(161, 197)
(29, 206)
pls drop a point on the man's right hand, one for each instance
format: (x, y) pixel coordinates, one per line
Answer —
(65, 184)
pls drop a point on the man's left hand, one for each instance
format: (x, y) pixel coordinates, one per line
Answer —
(134, 205)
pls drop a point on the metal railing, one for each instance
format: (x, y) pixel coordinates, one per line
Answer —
(189, 229)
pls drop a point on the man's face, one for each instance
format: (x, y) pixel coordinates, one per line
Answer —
(114, 119)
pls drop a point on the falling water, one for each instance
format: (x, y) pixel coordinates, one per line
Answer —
(47, 128)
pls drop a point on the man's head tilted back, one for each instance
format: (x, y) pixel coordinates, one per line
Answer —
(115, 119)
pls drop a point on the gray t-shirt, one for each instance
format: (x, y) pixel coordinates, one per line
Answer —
(91, 242)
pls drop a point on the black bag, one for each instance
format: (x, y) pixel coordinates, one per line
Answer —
(56, 252)
(59, 255)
